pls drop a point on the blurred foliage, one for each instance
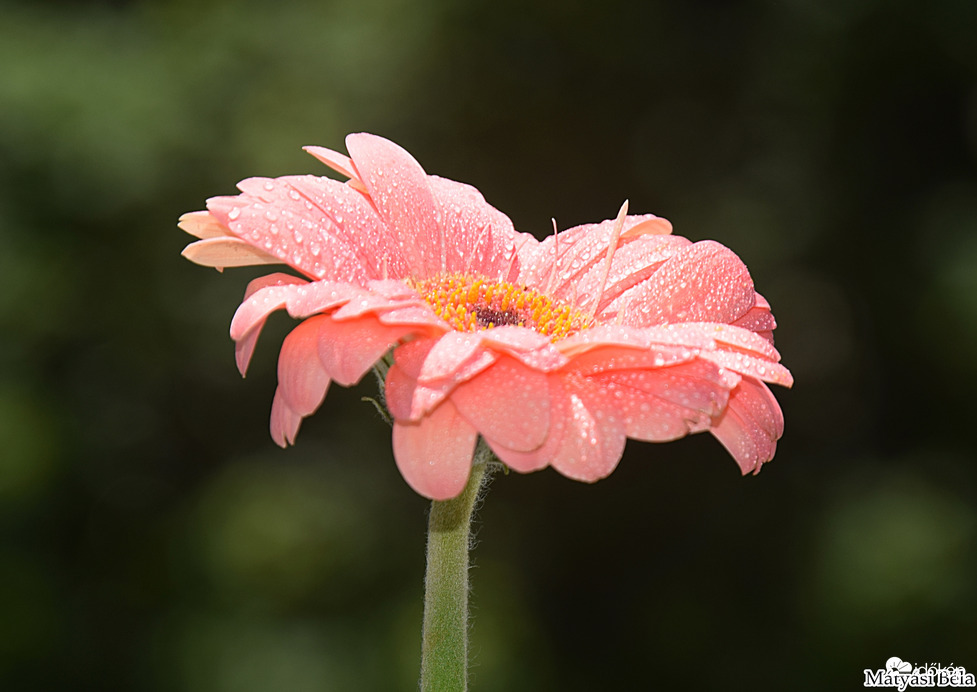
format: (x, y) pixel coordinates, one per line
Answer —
(153, 538)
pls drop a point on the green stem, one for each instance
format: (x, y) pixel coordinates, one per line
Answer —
(444, 649)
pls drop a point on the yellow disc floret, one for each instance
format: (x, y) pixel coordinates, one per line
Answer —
(469, 303)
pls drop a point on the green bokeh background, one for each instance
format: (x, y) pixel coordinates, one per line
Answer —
(153, 538)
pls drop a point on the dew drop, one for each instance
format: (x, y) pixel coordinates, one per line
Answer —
(293, 194)
(234, 213)
(269, 185)
(274, 229)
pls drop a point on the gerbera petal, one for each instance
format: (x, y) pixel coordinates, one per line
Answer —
(594, 434)
(705, 282)
(507, 403)
(613, 358)
(226, 252)
(751, 425)
(531, 348)
(246, 335)
(667, 403)
(349, 348)
(476, 233)
(202, 225)
(560, 261)
(349, 216)
(284, 421)
(336, 161)
(435, 454)
(526, 462)
(302, 380)
(448, 354)
(398, 187)
(288, 231)
(745, 364)
(425, 371)
(633, 263)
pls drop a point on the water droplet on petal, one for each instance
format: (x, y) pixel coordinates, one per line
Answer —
(234, 213)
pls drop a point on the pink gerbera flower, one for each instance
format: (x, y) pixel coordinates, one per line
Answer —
(554, 352)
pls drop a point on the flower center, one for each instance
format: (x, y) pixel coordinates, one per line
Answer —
(469, 303)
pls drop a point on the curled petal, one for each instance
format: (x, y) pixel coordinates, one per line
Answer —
(246, 336)
(751, 425)
(284, 421)
(435, 454)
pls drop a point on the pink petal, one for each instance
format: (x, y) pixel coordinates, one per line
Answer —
(302, 381)
(526, 345)
(539, 458)
(633, 263)
(594, 436)
(752, 366)
(336, 161)
(435, 454)
(284, 421)
(427, 370)
(667, 403)
(250, 328)
(559, 264)
(448, 354)
(202, 225)
(751, 426)
(350, 218)
(478, 236)
(686, 335)
(613, 358)
(507, 403)
(288, 231)
(398, 187)
(705, 282)
(226, 252)
(349, 348)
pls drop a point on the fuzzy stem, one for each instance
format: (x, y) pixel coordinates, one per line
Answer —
(444, 649)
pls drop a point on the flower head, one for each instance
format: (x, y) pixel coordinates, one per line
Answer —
(554, 352)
